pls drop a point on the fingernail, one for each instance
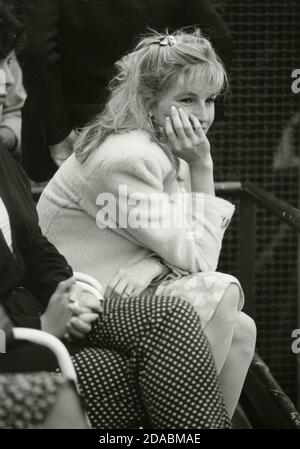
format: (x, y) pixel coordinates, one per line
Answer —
(173, 108)
(180, 109)
(167, 118)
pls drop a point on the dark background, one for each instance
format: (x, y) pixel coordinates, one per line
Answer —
(257, 126)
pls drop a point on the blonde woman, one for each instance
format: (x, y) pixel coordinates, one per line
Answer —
(143, 161)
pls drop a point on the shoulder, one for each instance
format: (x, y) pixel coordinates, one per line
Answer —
(132, 151)
(133, 144)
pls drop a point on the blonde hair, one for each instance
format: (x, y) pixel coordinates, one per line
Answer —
(142, 76)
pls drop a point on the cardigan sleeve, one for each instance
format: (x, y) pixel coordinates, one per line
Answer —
(186, 230)
(46, 267)
(22, 308)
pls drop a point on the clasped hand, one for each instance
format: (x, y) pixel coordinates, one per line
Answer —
(70, 311)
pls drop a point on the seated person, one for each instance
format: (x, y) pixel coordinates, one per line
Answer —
(140, 188)
(145, 361)
(12, 93)
(118, 374)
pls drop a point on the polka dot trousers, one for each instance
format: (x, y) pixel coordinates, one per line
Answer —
(149, 365)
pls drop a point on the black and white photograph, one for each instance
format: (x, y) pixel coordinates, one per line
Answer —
(149, 219)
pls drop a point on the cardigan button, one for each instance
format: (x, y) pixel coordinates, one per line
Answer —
(225, 222)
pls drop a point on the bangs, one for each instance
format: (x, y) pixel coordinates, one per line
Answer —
(211, 75)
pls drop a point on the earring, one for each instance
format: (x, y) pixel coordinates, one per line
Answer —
(152, 121)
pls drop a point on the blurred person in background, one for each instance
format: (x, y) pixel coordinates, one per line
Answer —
(12, 93)
(70, 51)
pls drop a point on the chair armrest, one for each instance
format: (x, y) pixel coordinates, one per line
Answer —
(51, 342)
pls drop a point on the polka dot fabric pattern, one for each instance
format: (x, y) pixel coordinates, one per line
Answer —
(107, 383)
(25, 400)
(150, 366)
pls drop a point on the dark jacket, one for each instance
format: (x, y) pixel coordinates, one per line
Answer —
(71, 48)
(31, 274)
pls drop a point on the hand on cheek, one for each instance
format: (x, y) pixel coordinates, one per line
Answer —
(186, 136)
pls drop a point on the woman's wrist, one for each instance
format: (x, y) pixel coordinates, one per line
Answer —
(156, 265)
(202, 177)
(161, 269)
(202, 165)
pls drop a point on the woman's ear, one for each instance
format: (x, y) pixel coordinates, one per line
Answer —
(149, 107)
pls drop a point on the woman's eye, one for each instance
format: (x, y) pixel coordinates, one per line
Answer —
(186, 100)
(210, 100)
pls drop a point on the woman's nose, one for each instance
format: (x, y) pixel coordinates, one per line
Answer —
(201, 112)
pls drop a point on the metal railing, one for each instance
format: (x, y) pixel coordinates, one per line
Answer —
(263, 400)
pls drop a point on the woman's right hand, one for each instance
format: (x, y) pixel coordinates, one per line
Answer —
(187, 138)
(58, 313)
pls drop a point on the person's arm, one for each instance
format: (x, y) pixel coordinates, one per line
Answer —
(45, 267)
(43, 299)
(181, 245)
(42, 294)
(44, 275)
(42, 66)
(10, 124)
(22, 308)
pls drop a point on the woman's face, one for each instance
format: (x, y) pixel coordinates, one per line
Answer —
(194, 98)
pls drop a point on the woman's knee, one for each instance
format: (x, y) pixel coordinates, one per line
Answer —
(180, 309)
(245, 334)
(228, 306)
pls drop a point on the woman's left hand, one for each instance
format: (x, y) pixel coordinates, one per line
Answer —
(133, 279)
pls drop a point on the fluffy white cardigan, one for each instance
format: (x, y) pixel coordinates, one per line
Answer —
(74, 213)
